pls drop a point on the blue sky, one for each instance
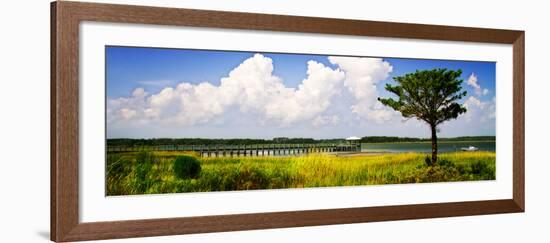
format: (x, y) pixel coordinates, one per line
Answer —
(149, 91)
(128, 66)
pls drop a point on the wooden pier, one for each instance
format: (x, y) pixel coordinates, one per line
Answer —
(245, 150)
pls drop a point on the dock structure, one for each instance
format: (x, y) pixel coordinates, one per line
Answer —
(246, 150)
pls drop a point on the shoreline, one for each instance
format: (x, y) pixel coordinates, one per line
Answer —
(446, 141)
(335, 154)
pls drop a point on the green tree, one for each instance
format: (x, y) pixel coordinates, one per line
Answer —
(429, 96)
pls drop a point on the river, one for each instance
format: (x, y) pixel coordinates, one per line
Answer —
(426, 147)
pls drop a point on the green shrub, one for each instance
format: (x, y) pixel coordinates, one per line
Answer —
(428, 161)
(252, 177)
(186, 167)
(482, 170)
(445, 163)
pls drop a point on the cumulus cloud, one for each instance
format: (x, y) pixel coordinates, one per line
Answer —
(313, 96)
(330, 96)
(325, 120)
(251, 87)
(479, 119)
(126, 108)
(126, 113)
(479, 111)
(362, 77)
(473, 82)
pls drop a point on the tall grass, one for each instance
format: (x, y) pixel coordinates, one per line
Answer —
(321, 170)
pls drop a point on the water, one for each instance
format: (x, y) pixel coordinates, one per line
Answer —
(426, 147)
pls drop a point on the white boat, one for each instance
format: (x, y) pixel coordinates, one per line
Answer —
(471, 148)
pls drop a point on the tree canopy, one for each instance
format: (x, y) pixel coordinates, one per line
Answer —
(428, 95)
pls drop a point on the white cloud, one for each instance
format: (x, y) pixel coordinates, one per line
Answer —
(328, 98)
(362, 76)
(251, 87)
(313, 96)
(127, 114)
(139, 92)
(158, 83)
(126, 108)
(479, 111)
(325, 120)
(479, 119)
(473, 82)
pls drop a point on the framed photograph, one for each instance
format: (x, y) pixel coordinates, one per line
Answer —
(175, 121)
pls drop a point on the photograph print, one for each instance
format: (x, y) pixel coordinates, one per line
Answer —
(186, 120)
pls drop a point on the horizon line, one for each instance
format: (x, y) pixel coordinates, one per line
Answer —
(299, 137)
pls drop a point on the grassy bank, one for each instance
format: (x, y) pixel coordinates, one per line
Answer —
(153, 172)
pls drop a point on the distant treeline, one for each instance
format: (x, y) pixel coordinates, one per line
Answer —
(281, 140)
(206, 141)
(384, 139)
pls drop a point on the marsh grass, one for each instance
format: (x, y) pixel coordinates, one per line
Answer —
(128, 174)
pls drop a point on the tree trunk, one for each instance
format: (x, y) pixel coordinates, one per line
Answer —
(434, 145)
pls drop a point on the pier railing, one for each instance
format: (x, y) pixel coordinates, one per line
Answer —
(245, 150)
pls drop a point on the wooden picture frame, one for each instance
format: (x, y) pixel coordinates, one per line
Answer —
(65, 19)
